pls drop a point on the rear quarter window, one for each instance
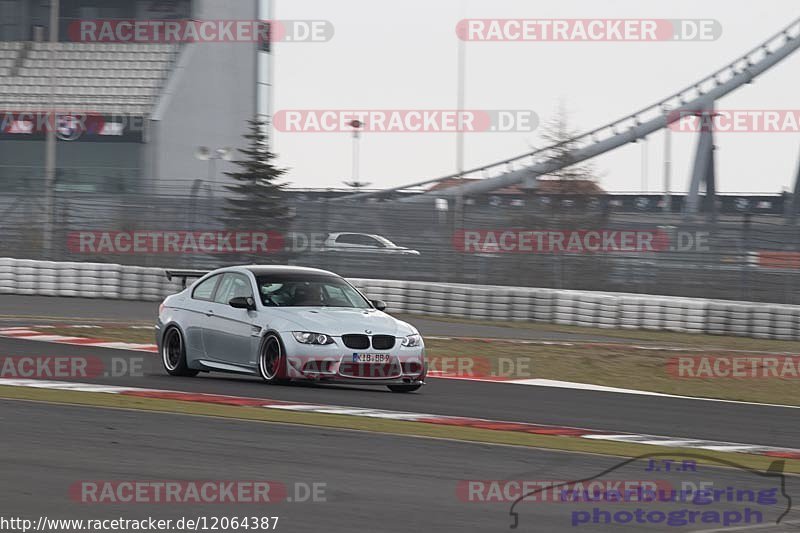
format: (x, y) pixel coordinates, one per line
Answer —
(205, 289)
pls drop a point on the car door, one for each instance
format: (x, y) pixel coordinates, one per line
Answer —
(230, 334)
(198, 306)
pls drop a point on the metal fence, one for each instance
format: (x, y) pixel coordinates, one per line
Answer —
(745, 256)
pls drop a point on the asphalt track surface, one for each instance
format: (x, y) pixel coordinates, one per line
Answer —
(17, 310)
(373, 482)
(675, 417)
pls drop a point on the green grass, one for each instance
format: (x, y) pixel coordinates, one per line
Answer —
(107, 333)
(615, 367)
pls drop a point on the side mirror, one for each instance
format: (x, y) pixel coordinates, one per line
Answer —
(243, 302)
(380, 305)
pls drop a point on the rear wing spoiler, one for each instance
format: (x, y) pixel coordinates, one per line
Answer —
(183, 275)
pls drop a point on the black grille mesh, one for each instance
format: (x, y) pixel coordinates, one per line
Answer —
(356, 342)
(383, 342)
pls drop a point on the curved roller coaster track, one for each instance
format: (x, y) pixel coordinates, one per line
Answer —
(697, 98)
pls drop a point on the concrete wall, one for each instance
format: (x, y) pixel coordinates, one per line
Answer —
(483, 302)
(208, 99)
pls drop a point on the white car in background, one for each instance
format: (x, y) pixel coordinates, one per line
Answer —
(363, 243)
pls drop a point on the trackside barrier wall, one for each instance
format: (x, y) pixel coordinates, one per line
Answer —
(482, 302)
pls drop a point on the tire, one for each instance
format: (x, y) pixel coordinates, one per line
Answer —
(272, 360)
(404, 388)
(173, 354)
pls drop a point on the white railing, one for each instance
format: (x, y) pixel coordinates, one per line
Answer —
(483, 302)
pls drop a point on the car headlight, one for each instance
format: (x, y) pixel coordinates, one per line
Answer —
(308, 337)
(411, 341)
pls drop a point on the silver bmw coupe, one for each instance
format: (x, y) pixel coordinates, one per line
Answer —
(287, 323)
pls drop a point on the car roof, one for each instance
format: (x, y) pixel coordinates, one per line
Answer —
(260, 270)
(352, 233)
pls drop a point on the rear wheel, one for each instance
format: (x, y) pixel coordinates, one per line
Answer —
(272, 360)
(404, 388)
(173, 354)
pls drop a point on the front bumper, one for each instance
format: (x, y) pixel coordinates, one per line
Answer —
(334, 363)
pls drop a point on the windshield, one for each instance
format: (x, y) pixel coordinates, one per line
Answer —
(309, 291)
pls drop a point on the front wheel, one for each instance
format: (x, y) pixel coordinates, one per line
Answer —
(404, 388)
(272, 360)
(173, 354)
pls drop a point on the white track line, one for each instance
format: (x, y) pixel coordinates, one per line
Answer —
(601, 388)
(670, 442)
(31, 334)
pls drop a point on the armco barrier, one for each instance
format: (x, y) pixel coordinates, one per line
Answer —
(484, 302)
(85, 280)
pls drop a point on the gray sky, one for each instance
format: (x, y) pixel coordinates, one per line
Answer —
(402, 55)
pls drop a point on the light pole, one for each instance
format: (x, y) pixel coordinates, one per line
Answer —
(265, 97)
(462, 65)
(356, 125)
(50, 141)
(203, 153)
(458, 212)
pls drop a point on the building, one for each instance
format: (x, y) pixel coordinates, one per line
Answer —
(130, 112)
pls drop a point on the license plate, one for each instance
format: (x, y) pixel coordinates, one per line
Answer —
(371, 357)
